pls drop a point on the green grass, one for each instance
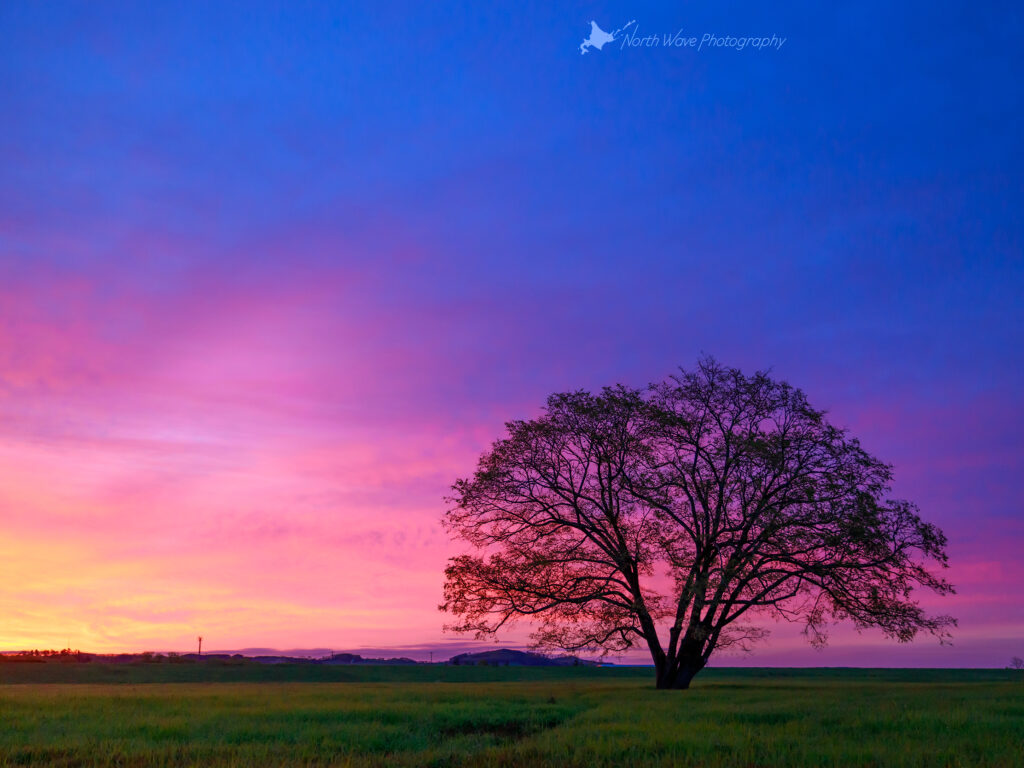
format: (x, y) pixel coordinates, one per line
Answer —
(530, 717)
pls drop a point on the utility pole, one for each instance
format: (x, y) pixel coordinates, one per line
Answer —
(200, 645)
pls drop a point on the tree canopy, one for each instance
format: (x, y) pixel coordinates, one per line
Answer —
(669, 517)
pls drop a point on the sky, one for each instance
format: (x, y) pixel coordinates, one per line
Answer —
(272, 276)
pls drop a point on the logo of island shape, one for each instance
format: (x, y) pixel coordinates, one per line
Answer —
(598, 37)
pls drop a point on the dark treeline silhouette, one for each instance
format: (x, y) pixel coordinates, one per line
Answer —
(65, 654)
(499, 657)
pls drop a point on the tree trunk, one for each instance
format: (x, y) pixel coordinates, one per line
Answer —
(677, 676)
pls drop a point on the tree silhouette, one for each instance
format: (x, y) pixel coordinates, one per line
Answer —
(668, 517)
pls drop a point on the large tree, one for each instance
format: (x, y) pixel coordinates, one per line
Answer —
(668, 517)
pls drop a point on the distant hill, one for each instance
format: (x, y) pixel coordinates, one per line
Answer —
(506, 657)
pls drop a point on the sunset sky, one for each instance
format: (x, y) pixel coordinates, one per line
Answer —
(272, 277)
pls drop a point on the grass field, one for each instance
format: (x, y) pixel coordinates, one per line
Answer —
(479, 716)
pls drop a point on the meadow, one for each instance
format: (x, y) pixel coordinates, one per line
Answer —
(251, 715)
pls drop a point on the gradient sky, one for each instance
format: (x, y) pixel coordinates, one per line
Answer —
(272, 276)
